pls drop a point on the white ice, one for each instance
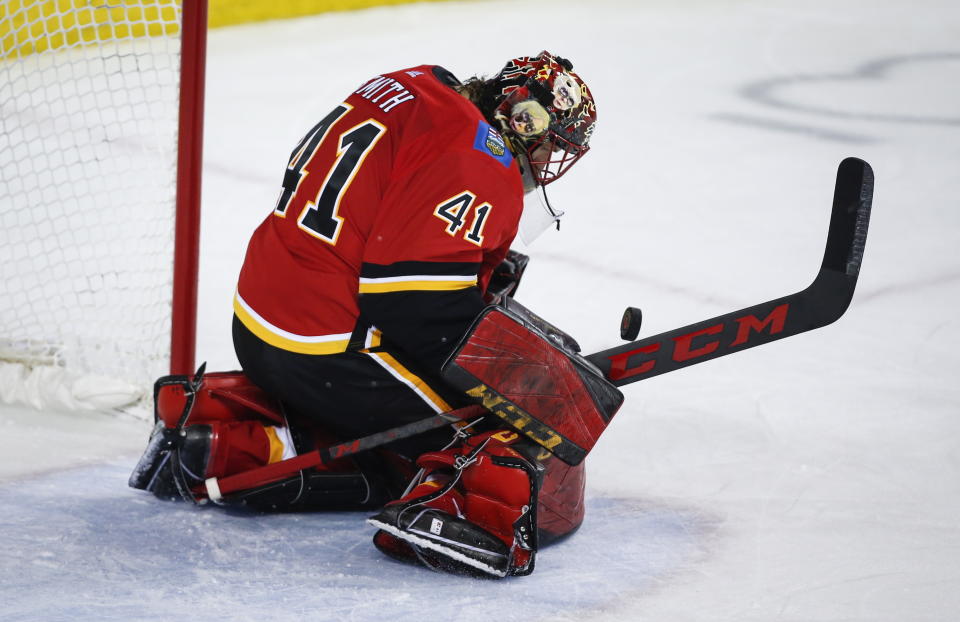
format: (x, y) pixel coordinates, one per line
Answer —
(817, 478)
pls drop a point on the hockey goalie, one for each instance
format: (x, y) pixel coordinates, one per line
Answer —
(378, 293)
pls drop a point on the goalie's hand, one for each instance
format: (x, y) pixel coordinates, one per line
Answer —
(506, 277)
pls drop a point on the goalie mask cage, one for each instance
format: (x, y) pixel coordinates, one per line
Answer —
(100, 144)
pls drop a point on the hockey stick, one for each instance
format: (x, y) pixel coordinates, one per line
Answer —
(822, 303)
(218, 489)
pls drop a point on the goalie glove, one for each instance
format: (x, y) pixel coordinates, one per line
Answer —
(506, 277)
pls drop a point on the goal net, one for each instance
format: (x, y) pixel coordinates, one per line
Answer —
(89, 99)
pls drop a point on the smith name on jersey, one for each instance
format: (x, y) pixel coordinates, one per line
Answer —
(402, 196)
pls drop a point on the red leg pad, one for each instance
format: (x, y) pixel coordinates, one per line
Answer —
(237, 446)
(223, 396)
(561, 504)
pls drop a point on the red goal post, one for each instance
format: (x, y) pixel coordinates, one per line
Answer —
(186, 265)
(101, 135)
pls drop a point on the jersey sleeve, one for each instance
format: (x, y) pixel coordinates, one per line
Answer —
(490, 263)
(431, 251)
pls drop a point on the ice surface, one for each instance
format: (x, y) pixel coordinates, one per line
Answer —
(80, 550)
(817, 478)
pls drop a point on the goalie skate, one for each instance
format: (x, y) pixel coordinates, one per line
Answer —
(442, 542)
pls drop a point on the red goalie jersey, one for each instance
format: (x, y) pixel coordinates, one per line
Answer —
(395, 209)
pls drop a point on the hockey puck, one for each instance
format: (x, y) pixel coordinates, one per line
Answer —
(630, 323)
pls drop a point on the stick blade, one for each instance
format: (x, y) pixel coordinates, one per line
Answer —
(850, 218)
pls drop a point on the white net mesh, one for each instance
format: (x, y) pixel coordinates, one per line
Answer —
(88, 137)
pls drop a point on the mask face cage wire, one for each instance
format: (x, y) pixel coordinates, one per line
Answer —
(551, 156)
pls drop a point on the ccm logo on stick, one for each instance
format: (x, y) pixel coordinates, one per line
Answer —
(684, 348)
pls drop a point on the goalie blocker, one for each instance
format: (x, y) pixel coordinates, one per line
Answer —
(529, 373)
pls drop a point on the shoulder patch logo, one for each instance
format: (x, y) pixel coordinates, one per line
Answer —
(495, 143)
(490, 142)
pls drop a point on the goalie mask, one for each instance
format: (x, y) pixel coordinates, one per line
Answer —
(547, 114)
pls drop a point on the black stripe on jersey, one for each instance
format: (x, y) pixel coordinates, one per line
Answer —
(426, 325)
(413, 268)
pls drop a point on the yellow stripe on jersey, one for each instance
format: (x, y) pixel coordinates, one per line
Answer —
(279, 338)
(415, 283)
(373, 338)
(404, 375)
